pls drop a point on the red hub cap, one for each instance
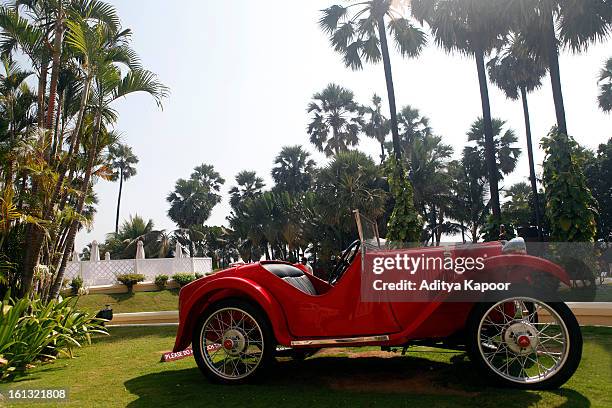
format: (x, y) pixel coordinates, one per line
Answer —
(228, 344)
(523, 341)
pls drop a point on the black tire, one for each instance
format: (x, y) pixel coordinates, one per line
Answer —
(267, 340)
(562, 374)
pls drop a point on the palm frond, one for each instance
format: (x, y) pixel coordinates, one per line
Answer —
(331, 17)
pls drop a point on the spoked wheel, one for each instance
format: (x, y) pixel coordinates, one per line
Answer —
(232, 342)
(525, 342)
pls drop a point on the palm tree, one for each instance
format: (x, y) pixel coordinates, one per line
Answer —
(16, 100)
(428, 160)
(605, 81)
(506, 156)
(123, 162)
(109, 85)
(376, 125)
(516, 73)
(473, 28)
(293, 171)
(470, 202)
(548, 24)
(411, 127)
(350, 181)
(193, 199)
(248, 186)
(336, 120)
(359, 32)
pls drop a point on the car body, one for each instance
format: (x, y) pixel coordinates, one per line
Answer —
(335, 314)
(304, 312)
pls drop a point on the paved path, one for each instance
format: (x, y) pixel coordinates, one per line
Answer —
(588, 314)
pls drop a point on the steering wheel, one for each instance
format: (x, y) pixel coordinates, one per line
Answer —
(344, 262)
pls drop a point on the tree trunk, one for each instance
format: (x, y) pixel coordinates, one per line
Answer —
(462, 232)
(489, 141)
(382, 33)
(382, 153)
(119, 199)
(57, 284)
(75, 140)
(532, 175)
(55, 67)
(34, 235)
(555, 74)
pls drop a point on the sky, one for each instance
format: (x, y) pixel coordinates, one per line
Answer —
(241, 74)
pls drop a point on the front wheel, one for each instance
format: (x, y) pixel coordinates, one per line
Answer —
(525, 343)
(233, 342)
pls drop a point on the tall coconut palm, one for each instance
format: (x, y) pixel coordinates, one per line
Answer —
(359, 32)
(336, 120)
(123, 162)
(549, 24)
(376, 125)
(605, 85)
(293, 171)
(473, 28)
(516, 73)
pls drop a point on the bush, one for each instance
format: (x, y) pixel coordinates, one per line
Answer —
(33, 331)
(199, 275)
(130, 279)
(161, 281)
(183, 278)
(76, 284)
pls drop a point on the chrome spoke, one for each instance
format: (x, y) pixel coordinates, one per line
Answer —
(238, 342)
(516, 346)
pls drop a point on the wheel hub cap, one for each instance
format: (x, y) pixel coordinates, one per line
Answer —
(521, 338)
(234, 342)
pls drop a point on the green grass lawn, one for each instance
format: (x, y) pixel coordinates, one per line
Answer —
(604, 293)
(124, 370)
(137, 302)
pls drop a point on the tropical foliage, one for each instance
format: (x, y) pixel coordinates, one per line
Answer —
(122, 162)
(570, 206)
(605, 84)
(57, 125)
(336, 122)
(34, 331)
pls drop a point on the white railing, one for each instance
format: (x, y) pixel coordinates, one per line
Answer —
(96, 273)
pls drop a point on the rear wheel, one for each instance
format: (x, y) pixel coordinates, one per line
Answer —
(525, 343)
(233, 342)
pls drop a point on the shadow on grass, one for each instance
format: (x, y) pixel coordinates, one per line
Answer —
(339, 381)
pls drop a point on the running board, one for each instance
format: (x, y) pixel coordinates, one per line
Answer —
(343, 340)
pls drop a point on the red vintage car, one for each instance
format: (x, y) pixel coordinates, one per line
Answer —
(237, 319)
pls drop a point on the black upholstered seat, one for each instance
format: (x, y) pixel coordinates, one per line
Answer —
(292, 275)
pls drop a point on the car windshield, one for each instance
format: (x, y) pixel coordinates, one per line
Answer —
(368, 231)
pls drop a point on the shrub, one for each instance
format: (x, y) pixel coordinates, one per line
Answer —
(130, 279)
(33, 330)
(161, 281)
(183, 278)
(76, 284)
(199, 275)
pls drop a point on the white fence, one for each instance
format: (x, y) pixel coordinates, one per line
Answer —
(96, 273)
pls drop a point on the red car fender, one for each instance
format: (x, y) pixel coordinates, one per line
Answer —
(223, 288)
(527, 263)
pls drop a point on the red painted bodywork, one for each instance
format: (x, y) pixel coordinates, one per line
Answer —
(337, 311)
